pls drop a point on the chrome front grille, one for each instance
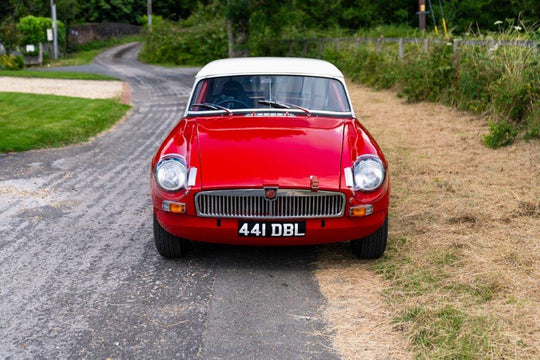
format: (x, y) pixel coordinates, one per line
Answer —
(252, 203)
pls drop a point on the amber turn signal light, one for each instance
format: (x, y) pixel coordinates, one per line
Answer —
(174, 207)
(361, 210)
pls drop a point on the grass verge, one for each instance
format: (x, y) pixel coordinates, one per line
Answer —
(29, 121)
(54, 75)
(460, 275)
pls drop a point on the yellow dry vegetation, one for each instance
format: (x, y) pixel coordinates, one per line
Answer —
(461, 276)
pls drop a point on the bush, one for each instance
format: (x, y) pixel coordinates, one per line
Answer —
(428, 77)
(11, 62)
(194, 45)
(33, 30)
(9, 37)
(503, 84)
(533, 123)
(500, 134)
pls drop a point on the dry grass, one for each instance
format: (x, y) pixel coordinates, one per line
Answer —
(461, 276)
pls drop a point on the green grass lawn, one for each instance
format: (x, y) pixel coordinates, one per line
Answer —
(29, 121)
(54, 75)
(82, 57)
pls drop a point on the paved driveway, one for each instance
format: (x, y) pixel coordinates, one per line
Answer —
(79, 275)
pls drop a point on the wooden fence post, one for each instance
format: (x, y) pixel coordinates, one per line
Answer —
(40, 54)
(456, 66)
(379, 45)
(456, 52)
(401, 48)
(491, 46)
(426, 45)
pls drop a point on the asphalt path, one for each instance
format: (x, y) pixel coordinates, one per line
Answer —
(79, 274)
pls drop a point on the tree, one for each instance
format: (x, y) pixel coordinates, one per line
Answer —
(237, 15)
(33, 30)
(9, 36)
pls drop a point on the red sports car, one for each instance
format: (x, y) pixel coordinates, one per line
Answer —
(269, 152)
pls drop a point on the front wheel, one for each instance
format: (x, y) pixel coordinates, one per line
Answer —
(168, 245)
(371, 246)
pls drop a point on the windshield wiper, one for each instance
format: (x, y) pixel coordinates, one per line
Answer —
(213, 107)
(275, 104)
(282, 105)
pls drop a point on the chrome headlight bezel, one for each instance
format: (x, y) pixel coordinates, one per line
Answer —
(171, 172)
(368, 173)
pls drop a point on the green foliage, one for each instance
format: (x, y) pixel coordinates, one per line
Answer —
(500, 134)
(11, 62)
(448, 333)
(503, 83)
(193, 45)
(9, 36)
(123, 11)
(533, 123)
(470, 15)
(33, 30)
(461, 15)
(366, 66)
(428, 77)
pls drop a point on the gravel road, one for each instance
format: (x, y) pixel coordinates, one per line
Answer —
(79, 274)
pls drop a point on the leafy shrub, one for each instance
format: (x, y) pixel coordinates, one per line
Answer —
(533, 123)
(9, 37)
(500, 134)
(19, 61)
(33, 30)
(475, 76)
(194, 45)
(518, 89)
(503, 84)
(427, 76)
(11, 62)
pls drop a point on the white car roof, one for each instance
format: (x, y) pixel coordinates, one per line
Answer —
(271, 66)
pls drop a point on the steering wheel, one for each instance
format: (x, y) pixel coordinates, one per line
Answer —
(229, 101)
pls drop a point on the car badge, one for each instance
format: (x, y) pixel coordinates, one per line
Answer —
(270, 193)
(314, 183)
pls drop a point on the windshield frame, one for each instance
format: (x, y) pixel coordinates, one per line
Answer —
(270, 110)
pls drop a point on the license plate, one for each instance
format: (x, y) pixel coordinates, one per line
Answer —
(271, 229)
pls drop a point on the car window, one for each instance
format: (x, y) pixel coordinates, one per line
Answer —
(247, 92)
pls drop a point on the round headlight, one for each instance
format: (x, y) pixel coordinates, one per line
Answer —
(368, 173)
(171, 173)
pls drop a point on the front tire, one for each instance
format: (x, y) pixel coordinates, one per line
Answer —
(371, 246)
(168, 245)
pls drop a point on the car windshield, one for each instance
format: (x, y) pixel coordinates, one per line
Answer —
(303, 93)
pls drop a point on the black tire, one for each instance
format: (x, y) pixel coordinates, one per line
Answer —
(372, 246)
(168, 245)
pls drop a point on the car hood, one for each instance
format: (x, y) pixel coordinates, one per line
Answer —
(258, 151)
